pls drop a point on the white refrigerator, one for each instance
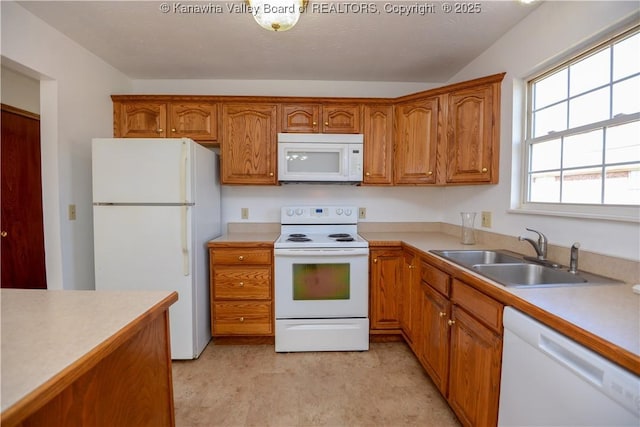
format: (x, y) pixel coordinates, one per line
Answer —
(156, 204)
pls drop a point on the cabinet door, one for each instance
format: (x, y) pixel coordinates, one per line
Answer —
(378, 144)
(416, 142)
(386, 280)
(193, 120)
(248, 146)
(300, 118)
(434, 344)
(341, 118)
(410, 307)
(471, 145)
(474, 376)
(143, 120)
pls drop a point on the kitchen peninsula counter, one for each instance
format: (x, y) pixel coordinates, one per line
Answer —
(86, 358)
(605, 318)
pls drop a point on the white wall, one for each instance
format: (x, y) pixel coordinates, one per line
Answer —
(19, 90)
(552, 31)
(75, 106)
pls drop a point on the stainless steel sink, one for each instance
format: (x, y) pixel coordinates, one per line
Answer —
(469, 258)
(512, 270)
(522, 275)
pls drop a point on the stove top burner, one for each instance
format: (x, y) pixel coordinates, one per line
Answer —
(345, 239)
(338, 235)
(298, 239)
(297, 235)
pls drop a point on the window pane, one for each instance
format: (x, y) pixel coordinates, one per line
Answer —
(551, 89)
(544, 187)
(582, 150)
(550, 119)
(626, 57)
(590, 73)
(589, 108)
(582, 186)
(545, 155)
(623, 143)
(626, 97)
(622, 185)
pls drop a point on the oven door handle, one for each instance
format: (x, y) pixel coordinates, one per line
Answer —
(322, 252)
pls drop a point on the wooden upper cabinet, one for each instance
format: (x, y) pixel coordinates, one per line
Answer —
(140, 120)
(315, 118)
(341, 118)
(300, 118)
(472, 135)
(192, 120)
(416, 142)
(248, 146)
(378, 144)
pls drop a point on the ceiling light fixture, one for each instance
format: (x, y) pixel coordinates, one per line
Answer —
(277, 15)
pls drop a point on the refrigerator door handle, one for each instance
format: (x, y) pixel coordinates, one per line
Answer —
(183, 172)
(185, 241)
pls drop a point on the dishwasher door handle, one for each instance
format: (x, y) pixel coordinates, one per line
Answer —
(571, 360)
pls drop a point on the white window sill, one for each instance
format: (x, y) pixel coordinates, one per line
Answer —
(629, 214)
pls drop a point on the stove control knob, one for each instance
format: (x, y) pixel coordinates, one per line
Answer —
(299, 211)
(290, 212)
(348, 212)
(339, 211)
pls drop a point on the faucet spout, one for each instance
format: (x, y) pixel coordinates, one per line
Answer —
(573, 260)
(540, 246)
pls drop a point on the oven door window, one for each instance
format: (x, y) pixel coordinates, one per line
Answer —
(321, 281)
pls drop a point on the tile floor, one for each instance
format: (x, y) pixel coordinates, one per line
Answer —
(254, 386)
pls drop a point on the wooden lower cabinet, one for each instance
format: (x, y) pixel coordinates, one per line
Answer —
(385, 284)
(410, 299)
(241, 291)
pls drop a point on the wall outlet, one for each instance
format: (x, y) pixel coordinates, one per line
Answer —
(72, 212)
(362, 213)
(486, 219)
(244, 213)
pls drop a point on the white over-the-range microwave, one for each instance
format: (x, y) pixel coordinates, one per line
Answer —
(320, 158)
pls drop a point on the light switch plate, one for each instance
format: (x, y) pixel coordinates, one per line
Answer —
(362, 213)
(244, 213)
(72, 212)
(486, 219)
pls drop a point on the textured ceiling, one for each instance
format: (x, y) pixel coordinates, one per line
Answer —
(332, 40)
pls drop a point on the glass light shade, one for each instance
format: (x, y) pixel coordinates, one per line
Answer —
(276, 15)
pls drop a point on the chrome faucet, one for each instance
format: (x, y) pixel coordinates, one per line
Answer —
(540, 246)
(573, 260)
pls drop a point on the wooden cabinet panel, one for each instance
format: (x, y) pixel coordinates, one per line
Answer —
(248, 147)
(250, 282)
(437, 279)
(434, 345)
(300, 118)
(484, 308)
(415, 160)
(472, 149)
(341, 118)
(378, 144)
(141, 120)
(474, 382)
(241, 291)
(242, 256)
(198, 121)
(242, 318)
(385, 282)
(410, 301)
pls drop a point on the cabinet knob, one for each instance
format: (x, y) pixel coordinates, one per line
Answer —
(315, 123)
(430, 173)
(270, 173)
(442, 314)
(484, 169)
(326, 123)
(375, 260)
(160, 130)
(173, 130)
(367, 174)
(241, 258)
(450, 322)
(241, 284)
(3, 233)
(242, 319)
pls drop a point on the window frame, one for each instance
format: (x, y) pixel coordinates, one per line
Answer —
(615, 212)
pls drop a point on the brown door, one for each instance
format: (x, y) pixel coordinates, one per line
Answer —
(21, 226)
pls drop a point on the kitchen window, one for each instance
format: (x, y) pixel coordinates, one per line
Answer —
(583, 130)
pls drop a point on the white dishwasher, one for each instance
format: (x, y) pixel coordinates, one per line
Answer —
(550, 380)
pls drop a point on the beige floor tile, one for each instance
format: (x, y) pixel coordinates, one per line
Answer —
(254, 386)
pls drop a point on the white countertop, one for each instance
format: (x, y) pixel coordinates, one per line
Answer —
(44, 333)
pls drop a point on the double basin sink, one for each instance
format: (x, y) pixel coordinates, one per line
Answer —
(512, 270)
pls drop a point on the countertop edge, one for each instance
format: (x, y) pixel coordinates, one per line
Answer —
(46, 391)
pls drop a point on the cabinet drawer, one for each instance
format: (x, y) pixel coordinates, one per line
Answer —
(248, 282)
(242, 318)
(242, 256)
(484, 308)
(437, 279)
